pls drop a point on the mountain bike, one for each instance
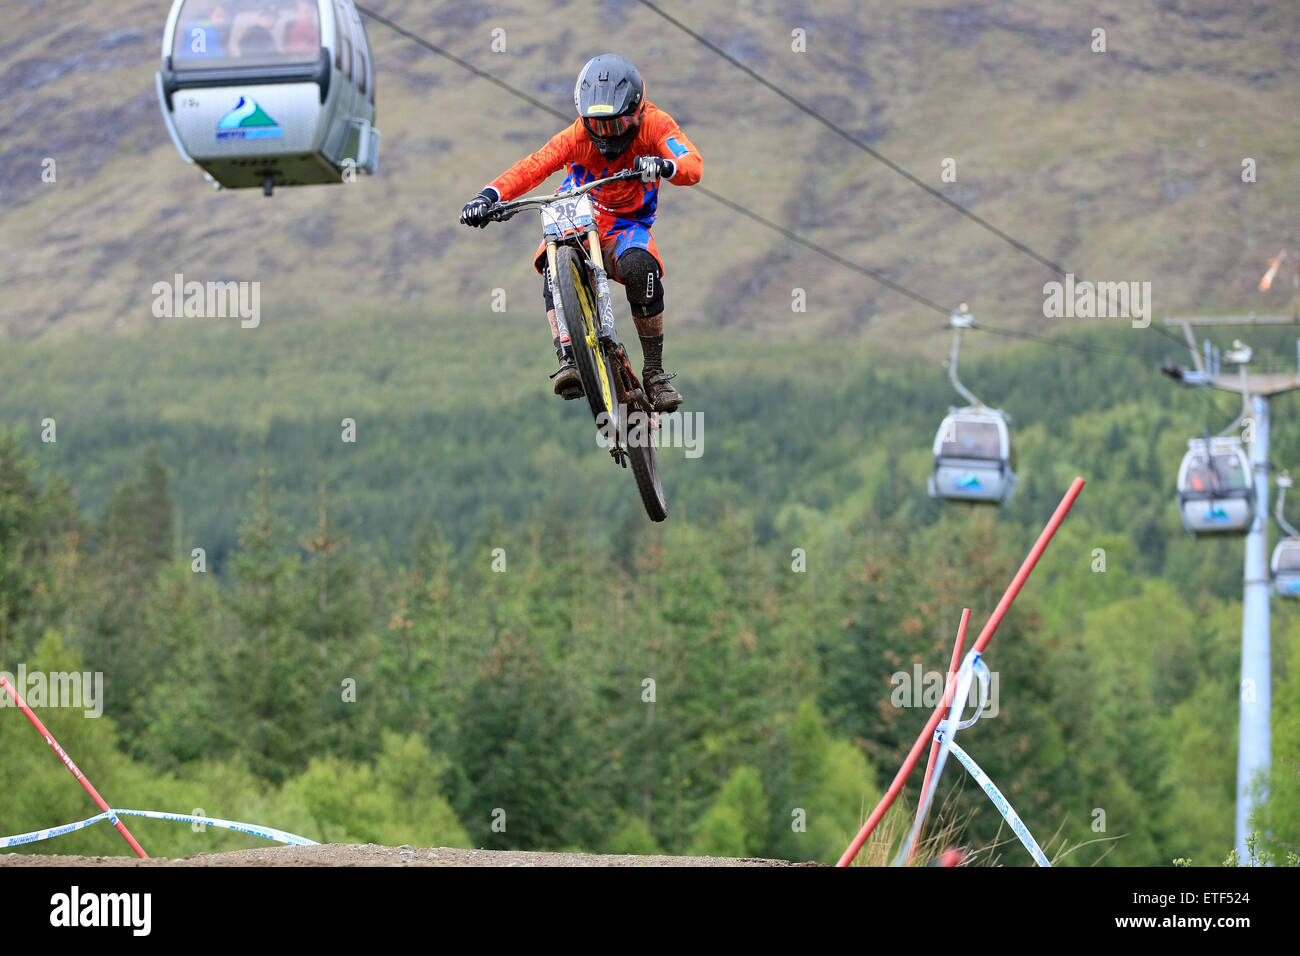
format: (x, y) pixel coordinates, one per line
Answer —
(584, 313)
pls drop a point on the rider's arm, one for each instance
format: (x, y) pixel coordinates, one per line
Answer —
(671, 143)
(531, 171)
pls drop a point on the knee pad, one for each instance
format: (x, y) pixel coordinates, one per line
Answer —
(639, 272)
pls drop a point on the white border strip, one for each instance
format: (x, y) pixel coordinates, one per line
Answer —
(1013, 819)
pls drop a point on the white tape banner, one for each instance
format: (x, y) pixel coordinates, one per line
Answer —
(266, 833)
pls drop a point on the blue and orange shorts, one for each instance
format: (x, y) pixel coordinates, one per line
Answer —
(617, 235)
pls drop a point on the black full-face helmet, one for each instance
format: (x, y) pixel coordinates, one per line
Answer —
(610, 97)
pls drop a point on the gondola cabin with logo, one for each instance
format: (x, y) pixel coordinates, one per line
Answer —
(261, 95)
(1216, 493)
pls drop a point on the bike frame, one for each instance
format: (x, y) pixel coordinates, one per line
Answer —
(581, 233)
(569, 219)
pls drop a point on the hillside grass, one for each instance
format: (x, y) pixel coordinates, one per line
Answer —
(1122, 165)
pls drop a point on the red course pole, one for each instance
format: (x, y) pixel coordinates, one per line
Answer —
(63, 755)
(950, 691)
(934, 744)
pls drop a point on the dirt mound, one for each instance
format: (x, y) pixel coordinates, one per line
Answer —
(339, 854)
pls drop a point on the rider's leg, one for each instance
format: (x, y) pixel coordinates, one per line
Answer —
(650, 329)
(640, 274)
(568, 383)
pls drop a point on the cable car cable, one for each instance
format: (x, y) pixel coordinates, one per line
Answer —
(1045, 340)
(821, 250)
(716, 197)
(463, 64)
(1169, 335)
(845, 134)
(729, 203)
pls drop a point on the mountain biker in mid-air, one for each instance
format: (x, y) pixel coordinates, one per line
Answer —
(617, 129)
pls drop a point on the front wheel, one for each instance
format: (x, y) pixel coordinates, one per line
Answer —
(581, 318)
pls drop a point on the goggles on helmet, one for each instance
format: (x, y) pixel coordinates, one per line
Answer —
(611, 126)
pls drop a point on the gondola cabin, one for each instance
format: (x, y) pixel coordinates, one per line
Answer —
(974, 457)
(1286, 568)
(269, 94)
(1216, 494)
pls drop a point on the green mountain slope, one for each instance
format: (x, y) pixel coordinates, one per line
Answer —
(1123, 165)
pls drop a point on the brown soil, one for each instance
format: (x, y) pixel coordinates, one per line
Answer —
(337, 854)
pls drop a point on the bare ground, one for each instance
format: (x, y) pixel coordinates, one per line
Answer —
(339, 854)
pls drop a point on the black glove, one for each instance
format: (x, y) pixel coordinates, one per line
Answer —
(476, 210)
(654, 167)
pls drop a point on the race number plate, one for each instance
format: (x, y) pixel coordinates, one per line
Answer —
(564, 217)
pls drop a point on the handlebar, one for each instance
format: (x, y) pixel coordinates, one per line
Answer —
(506, 210)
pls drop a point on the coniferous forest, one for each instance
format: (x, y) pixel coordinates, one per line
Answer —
(399, 640)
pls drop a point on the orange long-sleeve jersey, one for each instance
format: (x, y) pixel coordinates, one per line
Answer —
(659, 135)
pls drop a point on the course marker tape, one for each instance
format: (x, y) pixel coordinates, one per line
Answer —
(1013, 819)
(36, 836)
(72, 768)
(266, 833)
(927, 732)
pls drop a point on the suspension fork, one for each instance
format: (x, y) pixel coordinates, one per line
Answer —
(561, 325)
(604, 304)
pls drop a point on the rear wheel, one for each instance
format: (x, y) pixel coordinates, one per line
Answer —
(645, 467)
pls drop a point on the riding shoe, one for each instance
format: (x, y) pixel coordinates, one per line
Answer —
(663, 397)
(568, 383)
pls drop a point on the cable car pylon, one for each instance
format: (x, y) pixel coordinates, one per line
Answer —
(974, 455)
(1254, 746)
